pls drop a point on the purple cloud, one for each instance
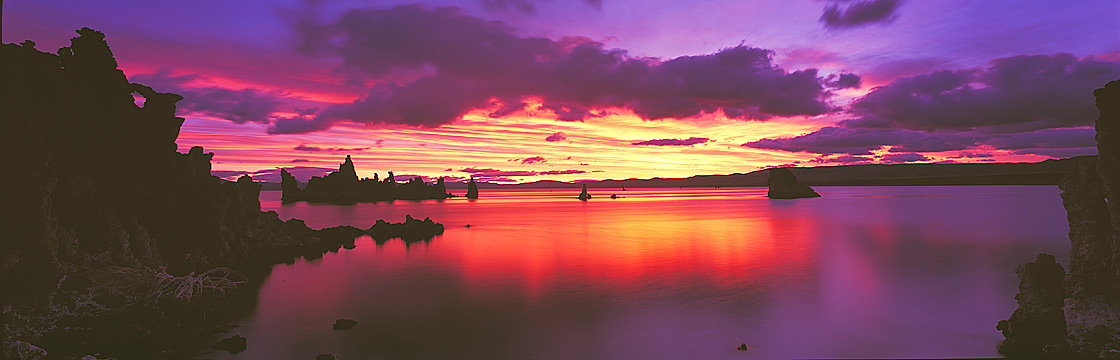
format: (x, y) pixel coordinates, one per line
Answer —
(849, 159)
(559, 136)
(673, 142)
(900, 158)
(843, 81)
(301, 173)
(304, 147)
(1014, 94)
(562, 172)
(526, 6)
(534, 160)
(444, 63)
(1047, 139)
(1059, 153)
(239, 106)
(839, 140)
(859, 13)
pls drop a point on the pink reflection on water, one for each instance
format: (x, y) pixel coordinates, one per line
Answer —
(665, 274)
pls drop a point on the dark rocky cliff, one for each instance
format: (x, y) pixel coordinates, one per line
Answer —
(1089, 310)
(101, 213)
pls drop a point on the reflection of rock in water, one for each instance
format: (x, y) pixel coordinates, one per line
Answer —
(583, 195)
(472, 190)
(1087, 324)
(783, 185)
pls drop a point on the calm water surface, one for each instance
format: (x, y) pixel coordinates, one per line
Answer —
(665, 274)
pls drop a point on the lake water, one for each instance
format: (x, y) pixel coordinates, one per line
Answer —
(664, 274)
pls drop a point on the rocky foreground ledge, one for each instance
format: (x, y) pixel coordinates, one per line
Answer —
(1077, 315)
(115, 244)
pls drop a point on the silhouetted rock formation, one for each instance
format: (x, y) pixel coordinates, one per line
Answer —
(1090, 326)
(343, 187)
(344, 324)
(233, 344)
(472, 190)
(583, 195)
(783, 185)
(410, 230)
(98, 205)
(1038, 326)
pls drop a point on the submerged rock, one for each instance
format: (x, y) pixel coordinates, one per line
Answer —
(743, 347)
(233, 344)
(783, 185)
(344, 324)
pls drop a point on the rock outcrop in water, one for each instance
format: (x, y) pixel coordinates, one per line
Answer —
(472, 190)
(783, 185)
(115, 243)
(1091, 308)
(583, 195)
(344, 187)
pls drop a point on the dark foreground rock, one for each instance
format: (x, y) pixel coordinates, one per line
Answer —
(325, 357)
(1038, 327)
(344, 187)
(233, 344)
(115, 243)
(1090, 308)
(344, 324)
(783, 185)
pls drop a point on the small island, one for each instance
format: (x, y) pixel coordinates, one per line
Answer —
(584, 196)
(783, 185)
(343, 187)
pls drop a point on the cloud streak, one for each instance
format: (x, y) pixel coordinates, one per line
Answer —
(673, 142)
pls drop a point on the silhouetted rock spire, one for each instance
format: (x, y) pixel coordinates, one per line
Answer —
(783, 185)
(583, 195)
(472, 190)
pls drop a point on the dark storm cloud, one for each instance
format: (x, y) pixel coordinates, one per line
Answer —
(1015, 94)
(239, 106)
(429, 67)
(559, 136)
(899, 158)
(859, 13)
(839, 140)
(673, 142)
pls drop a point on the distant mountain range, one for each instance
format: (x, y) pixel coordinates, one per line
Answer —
(1048, 172)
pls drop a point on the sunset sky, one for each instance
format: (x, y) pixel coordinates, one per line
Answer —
(524, 90)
